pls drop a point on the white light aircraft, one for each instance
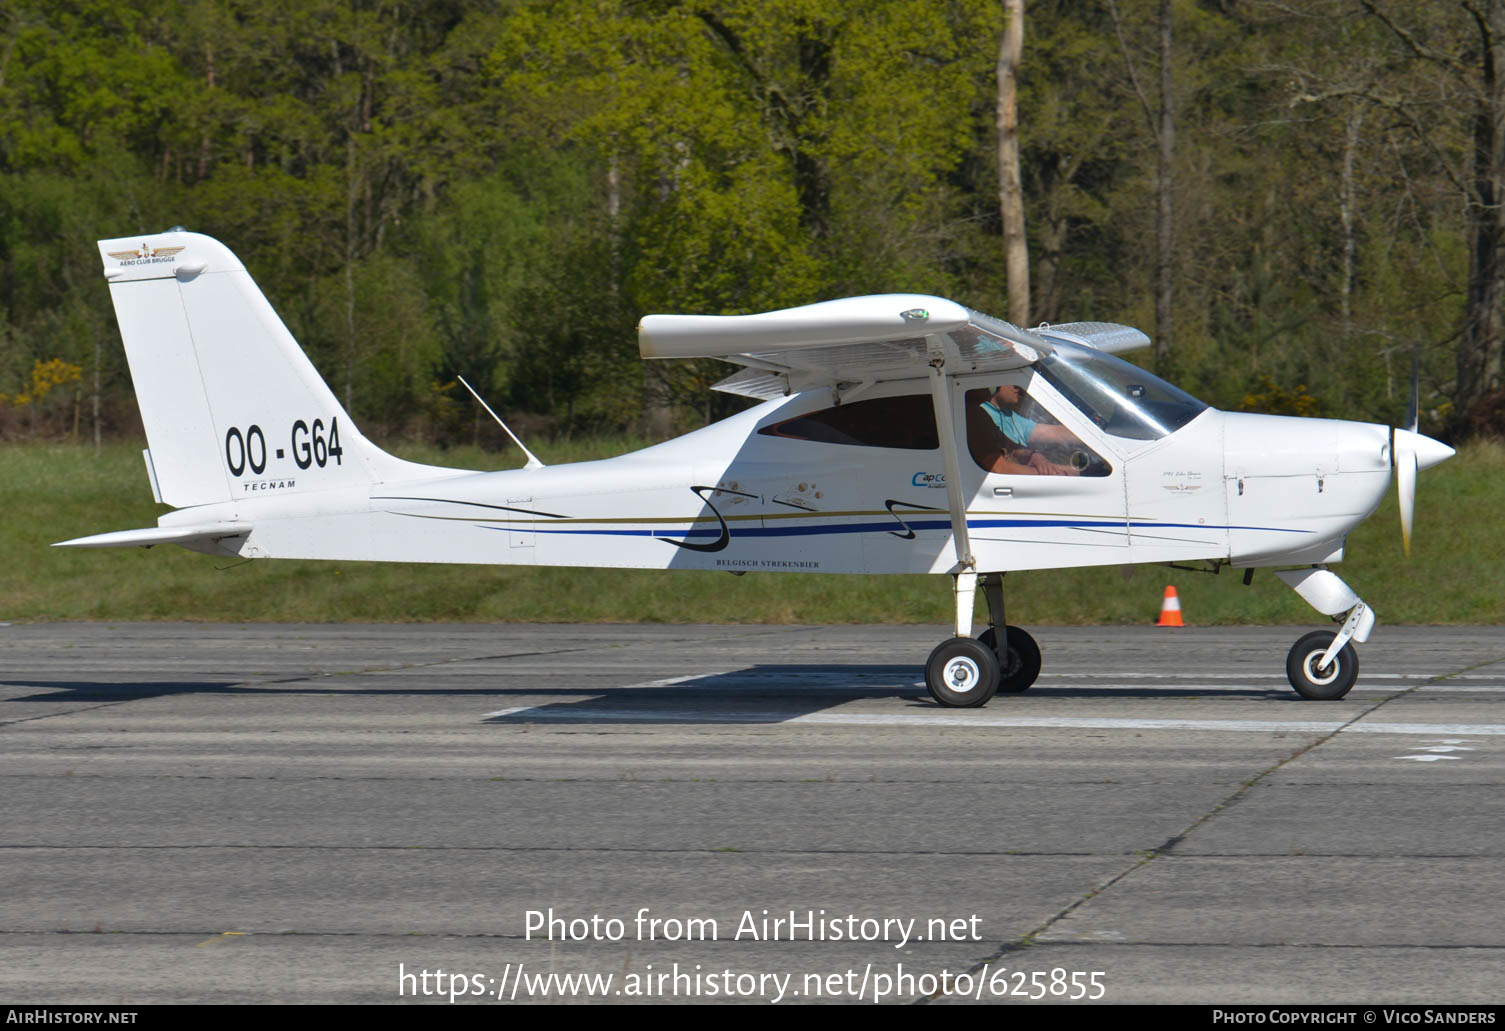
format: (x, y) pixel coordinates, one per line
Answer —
(897, 433)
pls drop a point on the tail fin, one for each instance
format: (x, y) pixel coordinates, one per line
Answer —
(231, 404)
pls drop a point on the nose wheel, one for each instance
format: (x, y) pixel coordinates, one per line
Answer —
(1311, 678)
(1323, 665)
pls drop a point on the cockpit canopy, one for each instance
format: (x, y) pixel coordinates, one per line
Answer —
(1123, 399)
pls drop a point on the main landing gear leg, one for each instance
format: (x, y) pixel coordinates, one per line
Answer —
(962, 672)
(965, 673)
(1323, 665)
(1019, 658)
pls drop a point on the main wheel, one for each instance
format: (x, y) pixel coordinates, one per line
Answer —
(1321, 684)
(1019, 665)
(962, 673)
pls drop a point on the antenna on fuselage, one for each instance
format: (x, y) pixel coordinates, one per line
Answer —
(533, 462)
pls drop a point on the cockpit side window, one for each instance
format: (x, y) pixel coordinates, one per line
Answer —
(1009, 432)
(906, 423)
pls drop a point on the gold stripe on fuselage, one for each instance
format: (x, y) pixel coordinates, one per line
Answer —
(681, 520)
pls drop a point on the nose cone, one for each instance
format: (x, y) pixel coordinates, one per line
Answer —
(1428, 452)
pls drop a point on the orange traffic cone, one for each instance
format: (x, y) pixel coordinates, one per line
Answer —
(1170, 609)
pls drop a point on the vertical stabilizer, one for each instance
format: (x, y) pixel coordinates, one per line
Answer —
(231, 405)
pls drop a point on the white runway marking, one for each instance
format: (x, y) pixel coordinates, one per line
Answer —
(1438, 752)
(630, 715)
(826, 681)
(1245, 676)
(1456, 688)
(1277, 684)
(1398, 681)
(849, 674)
(858, 681)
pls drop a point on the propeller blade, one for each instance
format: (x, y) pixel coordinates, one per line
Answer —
(1403, 452)
(1409, 453)
(1413, 408)
(1405, 488)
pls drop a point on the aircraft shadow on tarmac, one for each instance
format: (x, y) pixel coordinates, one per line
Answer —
(763, 693)
(107, 691)
(773, 693)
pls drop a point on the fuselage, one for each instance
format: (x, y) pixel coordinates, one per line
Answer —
(776, 489)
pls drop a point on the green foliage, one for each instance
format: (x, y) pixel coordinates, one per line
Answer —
(500, 189)
(1271, 398)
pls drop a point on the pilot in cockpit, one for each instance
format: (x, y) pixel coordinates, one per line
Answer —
(1003, 440)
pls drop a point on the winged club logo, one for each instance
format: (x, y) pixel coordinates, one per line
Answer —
(145, 255)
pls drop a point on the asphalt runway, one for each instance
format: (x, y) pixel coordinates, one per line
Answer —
(211, 813)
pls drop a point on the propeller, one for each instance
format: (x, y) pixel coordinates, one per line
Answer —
(1411, 452)
(1404, 457)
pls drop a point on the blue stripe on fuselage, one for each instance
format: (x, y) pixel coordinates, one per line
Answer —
(886, 526)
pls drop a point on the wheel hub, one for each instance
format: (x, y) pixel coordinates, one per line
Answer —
(1011, 662)
(962, 675)
(1314, 669)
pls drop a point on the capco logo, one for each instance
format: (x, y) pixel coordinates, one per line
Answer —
(929, 480)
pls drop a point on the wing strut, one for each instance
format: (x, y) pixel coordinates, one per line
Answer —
(966, 565)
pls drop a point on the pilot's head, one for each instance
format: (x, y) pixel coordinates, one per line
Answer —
(1008, 395)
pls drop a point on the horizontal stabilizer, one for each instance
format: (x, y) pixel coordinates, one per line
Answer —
(159, 535)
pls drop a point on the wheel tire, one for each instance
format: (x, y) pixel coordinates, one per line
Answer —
(1019, 665)
(1309, 682)
(962, 673)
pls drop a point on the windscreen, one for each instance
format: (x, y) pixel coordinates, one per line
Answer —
(1121, 398)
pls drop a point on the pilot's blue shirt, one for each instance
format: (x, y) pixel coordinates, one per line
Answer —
(1013, 425)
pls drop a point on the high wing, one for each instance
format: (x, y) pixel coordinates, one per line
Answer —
(1108, 337)
(843, 344)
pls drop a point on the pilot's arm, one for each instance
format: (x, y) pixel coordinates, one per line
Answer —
(1047, 433)
(996, 452)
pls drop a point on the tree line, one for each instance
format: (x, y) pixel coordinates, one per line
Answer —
(1292, 197)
